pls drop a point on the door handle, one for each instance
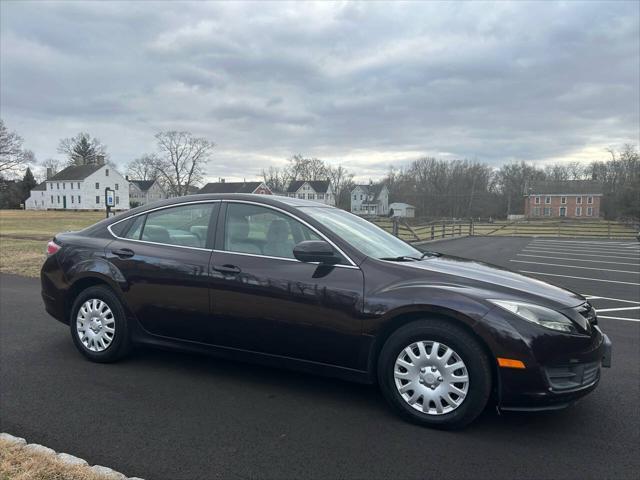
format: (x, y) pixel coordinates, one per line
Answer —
(123, 252)
(227, 268)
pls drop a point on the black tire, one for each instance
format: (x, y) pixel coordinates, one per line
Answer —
(468, 349)
(120, 345)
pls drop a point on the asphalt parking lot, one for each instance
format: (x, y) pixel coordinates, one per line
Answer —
(164, 415)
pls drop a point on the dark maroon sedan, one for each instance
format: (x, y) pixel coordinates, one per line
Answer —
(298, 284)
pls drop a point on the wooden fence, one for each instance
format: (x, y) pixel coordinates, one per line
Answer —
(415, 230)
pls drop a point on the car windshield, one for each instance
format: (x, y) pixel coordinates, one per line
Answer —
(363, 235)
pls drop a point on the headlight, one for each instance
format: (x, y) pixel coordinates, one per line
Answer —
(543, 316)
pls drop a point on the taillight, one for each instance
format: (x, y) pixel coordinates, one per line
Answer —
(52, 247)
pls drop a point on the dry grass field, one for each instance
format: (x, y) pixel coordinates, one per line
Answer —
(24, 236)
(18, 463)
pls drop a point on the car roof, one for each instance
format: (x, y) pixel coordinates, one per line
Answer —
(275, 200)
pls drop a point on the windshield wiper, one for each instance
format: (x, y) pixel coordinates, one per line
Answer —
(401, 258)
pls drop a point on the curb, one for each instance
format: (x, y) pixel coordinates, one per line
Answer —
(64, 457)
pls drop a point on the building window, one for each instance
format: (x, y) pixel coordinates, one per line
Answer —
(106, 172)
(589, 211)
(547, 200)
(578, 200)
(563, 200)
(547, 211)
(78, 198)
(98, 199)
(71, 198)
(78, 185)
(117, 200)
(301, 195)
(536, 211)
(321, 196)
(589, 200)
(58, 198)
(537, 200)
(58, 186)
(64, 186)
(355, 197)
(52, 199)
(71, 185)
(116, 186)
(578, 211)
(311, 196)
(97, 185)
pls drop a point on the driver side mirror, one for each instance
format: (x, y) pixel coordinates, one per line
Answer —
(316, 251)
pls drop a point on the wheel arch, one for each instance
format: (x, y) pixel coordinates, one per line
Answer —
(397, 321)
(90, 279)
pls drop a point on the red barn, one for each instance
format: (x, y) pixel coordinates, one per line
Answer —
(570, 199)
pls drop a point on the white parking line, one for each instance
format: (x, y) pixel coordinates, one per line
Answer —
(576, 266)
(595, 297)
(564, 252)
(577, 259)
(598, 242)
(620, 318)
(579, 278)
(560, 249)
(617, 309)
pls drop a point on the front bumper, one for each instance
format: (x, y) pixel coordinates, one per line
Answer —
(559, 369)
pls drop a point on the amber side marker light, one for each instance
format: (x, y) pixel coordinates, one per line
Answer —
(510, 363)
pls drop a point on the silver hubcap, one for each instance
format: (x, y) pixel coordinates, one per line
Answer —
(431, 377)
(95, 325)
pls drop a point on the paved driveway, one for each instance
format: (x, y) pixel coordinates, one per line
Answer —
(163, 415)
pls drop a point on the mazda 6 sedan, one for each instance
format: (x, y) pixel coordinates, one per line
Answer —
(293, 283)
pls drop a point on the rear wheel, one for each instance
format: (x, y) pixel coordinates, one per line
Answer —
(435, 374)
(98, 325)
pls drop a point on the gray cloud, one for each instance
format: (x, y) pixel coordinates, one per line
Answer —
(365, 85)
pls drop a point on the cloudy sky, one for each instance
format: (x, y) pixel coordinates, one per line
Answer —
(365, 85)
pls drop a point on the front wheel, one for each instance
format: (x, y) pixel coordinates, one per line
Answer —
(99, 325)
(435, 374)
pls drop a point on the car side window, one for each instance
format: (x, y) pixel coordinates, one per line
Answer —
(263, 231)
(135, 228)
(185, 225)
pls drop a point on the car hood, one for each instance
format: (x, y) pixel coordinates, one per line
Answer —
(490, 281)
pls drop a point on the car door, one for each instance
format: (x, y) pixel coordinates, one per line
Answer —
(264, 300)
(163, 257)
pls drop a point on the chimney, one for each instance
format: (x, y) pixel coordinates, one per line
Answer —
(49, 172)
(126, 177)
(100, 159)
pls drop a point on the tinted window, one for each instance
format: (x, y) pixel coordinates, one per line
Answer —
(361, 234)
(186, 225)
(134, 227)
(263, 231)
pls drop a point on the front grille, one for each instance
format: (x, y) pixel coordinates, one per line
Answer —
(570, 377)
(589, 313)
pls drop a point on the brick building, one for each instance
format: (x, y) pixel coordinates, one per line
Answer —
(570, 199)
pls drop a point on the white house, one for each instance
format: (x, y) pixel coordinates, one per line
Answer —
(82, 187)
(316, 190)
(370, 199)
(37, 199)
(142, 192)
(402, 210)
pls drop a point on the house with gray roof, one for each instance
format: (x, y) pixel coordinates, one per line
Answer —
(142, 192)
(81, 187)
(372, 199)
(314, 190)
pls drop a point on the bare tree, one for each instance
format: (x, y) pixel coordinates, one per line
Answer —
(12, 154)
(301, 168)
(277, 179)
(342, 183)
(52, 163)
(144, 167)
(82, 149)
(181, 160)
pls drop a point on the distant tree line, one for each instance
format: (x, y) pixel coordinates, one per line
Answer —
(463, 188)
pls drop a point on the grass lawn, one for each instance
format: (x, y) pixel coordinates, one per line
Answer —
(24, 235)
